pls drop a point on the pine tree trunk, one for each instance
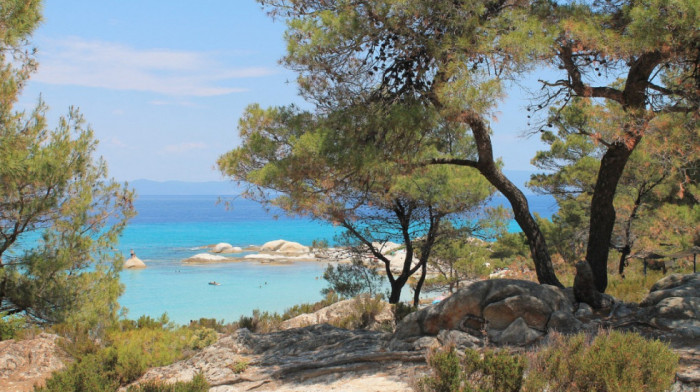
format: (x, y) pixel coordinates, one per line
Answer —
(603, 211)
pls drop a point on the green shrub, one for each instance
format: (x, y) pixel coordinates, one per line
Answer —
(10, 326)
(364, 311)
(198, 384)
(91, 373)
(497, 371)
(494, 371)
(612, 361)
(261, 322)
(446, 369)
(351, 280)
(240, 366)
(131, 348)
(213, 324)
(634, 287)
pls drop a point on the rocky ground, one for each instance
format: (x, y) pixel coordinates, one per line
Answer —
(498, 312)
(28, 362)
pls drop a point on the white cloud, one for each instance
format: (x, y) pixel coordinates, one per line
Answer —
(183, 147)
(75, 61)
(118, 143)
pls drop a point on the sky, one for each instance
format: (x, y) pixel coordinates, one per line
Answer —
(163, 82)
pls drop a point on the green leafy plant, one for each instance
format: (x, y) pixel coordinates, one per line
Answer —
(490, 371)
(10, 326)
(612, 361)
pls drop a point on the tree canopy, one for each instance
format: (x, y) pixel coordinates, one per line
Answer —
(302, 158)
(451, 62)
(60, 215)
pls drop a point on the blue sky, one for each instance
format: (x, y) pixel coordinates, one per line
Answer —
(163, 82)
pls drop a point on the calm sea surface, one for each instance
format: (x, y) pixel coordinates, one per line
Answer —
(168, 229)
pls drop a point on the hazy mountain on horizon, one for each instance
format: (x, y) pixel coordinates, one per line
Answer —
(145, 187)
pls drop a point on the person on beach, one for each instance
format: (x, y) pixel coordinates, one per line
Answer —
(133, 254)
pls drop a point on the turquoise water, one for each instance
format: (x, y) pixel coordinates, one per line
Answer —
(168, 229)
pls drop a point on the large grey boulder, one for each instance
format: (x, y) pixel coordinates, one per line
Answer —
(674, 303)
(492, 306)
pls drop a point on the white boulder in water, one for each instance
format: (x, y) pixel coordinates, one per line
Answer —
(284, 247)
(134, 262)
(205, 258)
(224, 247)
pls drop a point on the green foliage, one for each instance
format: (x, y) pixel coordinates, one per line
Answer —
(612, 361)
(60, 214)
(131, 348)
(198, 384)
(260, 322)
(490, 371)
(91, 373)
(634, 286)
(446, 369)
(351, 280)
(319, 244)
(457, 260)
(364, 311)
(240, 366)
(510, 245)
(264, 322)
(10, 326)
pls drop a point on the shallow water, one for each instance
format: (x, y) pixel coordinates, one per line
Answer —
(169, 229)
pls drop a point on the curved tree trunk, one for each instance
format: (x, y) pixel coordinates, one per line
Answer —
(603, 212)
(488, 168)
(419, 285)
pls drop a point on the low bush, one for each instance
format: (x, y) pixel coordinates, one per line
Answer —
(364, 312)
(612, 361)
(264, 322)
(128, 349)
(492, 371)
(10, 326)
(198, 384)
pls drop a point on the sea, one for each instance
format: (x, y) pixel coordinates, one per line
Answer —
(169, 229)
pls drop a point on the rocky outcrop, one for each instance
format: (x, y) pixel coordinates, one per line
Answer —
(335, 313)
(206, 258)
(283, 246)
(512, 312)
(224, 247)
(134, 262)
(314, 358)
(674, 303)
(26, 363)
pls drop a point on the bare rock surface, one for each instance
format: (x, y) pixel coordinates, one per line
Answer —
(314, 358)
(29, 362)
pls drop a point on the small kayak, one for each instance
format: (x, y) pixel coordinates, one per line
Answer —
(215, 283)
